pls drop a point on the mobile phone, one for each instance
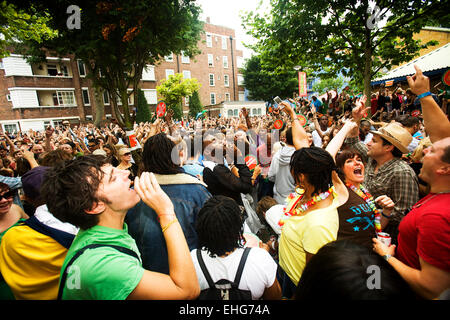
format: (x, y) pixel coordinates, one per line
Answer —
(278, 102)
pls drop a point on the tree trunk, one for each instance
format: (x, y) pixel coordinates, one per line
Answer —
(99, 107)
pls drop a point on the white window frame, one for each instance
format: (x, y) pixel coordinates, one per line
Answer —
(213, 80)
(81, 63)
(224, 43)
(106, 101)
(52, 67)
(225, 62)
(209, 40)
(212, 96)
(226, 80)
(169, 58)
(169, 72)
(65, 97)
(83, 90)
(210, 60)
(186, 74)
(227, 96)
(185, 59)
(8, 97)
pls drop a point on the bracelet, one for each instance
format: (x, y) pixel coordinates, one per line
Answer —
(382, 213)
(423, 95)
(169, 224)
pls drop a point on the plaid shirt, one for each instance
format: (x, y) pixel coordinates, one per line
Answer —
(395, 178)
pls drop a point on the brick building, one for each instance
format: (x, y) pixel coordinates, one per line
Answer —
(37, 95)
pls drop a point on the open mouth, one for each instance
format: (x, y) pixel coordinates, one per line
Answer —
(357, 171)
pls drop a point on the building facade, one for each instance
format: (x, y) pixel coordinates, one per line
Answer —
(33, 96)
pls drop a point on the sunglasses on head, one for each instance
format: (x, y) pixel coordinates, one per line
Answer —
(7, 195)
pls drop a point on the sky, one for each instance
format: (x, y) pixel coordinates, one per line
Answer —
(227, 13)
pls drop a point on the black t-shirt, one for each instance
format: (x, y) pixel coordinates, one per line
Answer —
(356, 221)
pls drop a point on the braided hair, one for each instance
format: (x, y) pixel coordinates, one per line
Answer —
(316, 164)
(219, 226)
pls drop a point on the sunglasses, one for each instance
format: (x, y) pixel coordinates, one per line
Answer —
(127, 154)
(7, 195)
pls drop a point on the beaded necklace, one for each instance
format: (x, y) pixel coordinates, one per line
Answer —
(294, 208)
(368, 198)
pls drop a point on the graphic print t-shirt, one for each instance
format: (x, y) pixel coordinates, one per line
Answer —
(356, 221)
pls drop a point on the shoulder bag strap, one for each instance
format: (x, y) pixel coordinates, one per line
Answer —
(204, 269)
(237, 279)
(80, 252)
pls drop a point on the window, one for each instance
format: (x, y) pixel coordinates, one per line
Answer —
(184, 59)
(86, 99)
(11, 128)
(55, 99)
(81, 68)
(224, 42)
(210, 60)
(240, 80)
(8, 97)
(186, 101)
(169, 58)
(226, 80)
(186, 74)
(209, 40)
(169, 72)
(65, 98)
(105, 97)
(64, 71)
(230, 113)
(213, 98)
(51, 70)
(211, 80)
(227, 97)
(235, 112)
(225, 62)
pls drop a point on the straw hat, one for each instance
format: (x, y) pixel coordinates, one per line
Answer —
(398, 136)
(122, 151)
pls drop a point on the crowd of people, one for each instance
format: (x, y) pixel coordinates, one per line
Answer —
(251, 207)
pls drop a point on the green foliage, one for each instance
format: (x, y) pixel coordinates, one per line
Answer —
(19, 24)
(120, 38)
(174, 89)
(195, 105)
(143, 113)
(325, 85)
(334, 35)
(267, 83)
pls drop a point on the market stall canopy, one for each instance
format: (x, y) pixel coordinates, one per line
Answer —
(434, 62)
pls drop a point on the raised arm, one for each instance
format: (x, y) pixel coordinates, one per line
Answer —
(335, 144)
(298, 132)
(435, 120)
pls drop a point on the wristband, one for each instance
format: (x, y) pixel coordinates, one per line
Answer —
(423, 95)
(382, 213)
(169, 224)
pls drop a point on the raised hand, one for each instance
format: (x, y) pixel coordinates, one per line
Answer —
(418, 83)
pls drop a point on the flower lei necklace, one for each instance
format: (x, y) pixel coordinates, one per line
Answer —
(294, 208)
(368, 198)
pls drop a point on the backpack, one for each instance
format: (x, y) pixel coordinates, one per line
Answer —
(224, 289)
(80, 252)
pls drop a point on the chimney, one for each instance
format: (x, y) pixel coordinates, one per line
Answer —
(208, 20)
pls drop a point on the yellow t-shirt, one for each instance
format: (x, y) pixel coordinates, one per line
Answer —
(306, 233)
(30, 263)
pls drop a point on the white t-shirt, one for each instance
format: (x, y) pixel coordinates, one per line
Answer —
(259, 271)
(317, 140)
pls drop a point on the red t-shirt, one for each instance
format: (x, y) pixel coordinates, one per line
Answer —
(425, 232)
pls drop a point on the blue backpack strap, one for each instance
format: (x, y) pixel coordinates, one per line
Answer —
(80, 252)
(63, 238)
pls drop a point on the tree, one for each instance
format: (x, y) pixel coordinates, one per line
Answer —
(117, 39)
(143, 113)
(20, 24)
(195, 106)
(267, 83)
(325, 85)
(342, 36)
(174, 89)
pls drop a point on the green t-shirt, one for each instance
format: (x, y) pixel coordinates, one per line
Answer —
(102, 273)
